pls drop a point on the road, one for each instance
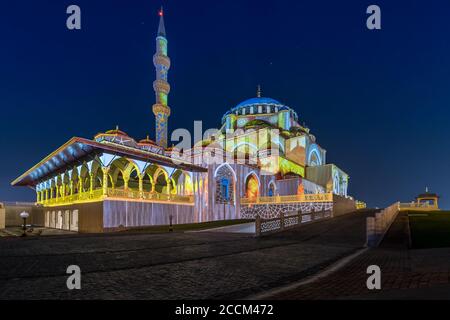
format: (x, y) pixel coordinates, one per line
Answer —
(204, 265)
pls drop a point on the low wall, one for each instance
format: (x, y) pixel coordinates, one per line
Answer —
(2, 216)
(89, 216)
(285, 222)
(138, 214)
(378, 226)
(13, 209)
(271, 211)
(342, 205)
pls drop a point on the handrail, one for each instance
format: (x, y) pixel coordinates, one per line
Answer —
(98, 194)
(417, 205)
(314, 197)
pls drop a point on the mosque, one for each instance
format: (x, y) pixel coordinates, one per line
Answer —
(260, 162)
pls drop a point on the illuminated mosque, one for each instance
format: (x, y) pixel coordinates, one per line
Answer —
(272, 164)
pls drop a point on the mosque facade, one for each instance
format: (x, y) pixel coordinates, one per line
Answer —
(261, 161)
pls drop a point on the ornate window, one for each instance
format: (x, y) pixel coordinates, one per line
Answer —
(224, 185)
(271, 192)
(224, 189)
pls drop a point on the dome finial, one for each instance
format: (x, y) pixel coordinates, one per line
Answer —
(117, 127)
(258, 91)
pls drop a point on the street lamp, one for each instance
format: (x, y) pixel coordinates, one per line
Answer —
(24, 215)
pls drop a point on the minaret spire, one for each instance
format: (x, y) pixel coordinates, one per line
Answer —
(161, 28)
(258, 91)
(161, 62)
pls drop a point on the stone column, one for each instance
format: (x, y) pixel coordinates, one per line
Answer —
(168, 187)
(105, 180)
(91, 183)
(126, 180)
(141, 186)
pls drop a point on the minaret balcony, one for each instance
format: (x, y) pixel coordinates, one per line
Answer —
(161, 86)
(160, 60)
(161, 109)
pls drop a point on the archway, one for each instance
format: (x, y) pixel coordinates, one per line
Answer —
(225, 178)
(252, 187)
(272, 190)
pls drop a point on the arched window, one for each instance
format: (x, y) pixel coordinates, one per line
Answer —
(336, 184)
(271, 192)
(314, 158)
(225, 189)
(225, 180)
(252, 187)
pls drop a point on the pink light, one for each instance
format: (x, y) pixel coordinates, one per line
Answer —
(160, 13)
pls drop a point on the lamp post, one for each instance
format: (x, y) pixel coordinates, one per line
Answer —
(24, 215)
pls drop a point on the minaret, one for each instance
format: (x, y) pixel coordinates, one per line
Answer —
(160, 85)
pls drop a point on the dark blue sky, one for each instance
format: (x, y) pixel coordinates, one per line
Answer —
(378, 101)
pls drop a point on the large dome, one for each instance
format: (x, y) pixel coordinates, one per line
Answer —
(259, 105)
(258, 101)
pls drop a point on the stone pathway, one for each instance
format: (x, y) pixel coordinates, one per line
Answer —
(207, 265)
(405, 274)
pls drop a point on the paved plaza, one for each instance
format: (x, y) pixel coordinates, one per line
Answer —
(202, 265)
(405, 274)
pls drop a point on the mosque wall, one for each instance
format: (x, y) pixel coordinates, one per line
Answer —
(227, 186)
(13, 209)
(124, 214)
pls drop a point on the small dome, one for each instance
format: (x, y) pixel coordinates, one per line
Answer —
(147, 141)
(116, 131)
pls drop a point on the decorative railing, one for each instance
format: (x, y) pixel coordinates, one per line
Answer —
(133, 194)
(78, 197)
(418, 206)
(315, 197)
(285, 222)
(98, 195)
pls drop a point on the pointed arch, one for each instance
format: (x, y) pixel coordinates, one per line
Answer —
(252, 186)
(272, 189)
(227, 167)
(225, 182)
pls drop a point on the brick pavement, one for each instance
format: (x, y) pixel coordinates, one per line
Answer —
(173, 266)
(405, 274)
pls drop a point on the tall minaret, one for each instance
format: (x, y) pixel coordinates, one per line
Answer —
(160, 85)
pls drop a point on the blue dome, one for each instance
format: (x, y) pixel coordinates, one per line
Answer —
(258, 101)
(248, 106)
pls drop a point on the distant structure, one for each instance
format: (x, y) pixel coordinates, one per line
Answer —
(428, 199)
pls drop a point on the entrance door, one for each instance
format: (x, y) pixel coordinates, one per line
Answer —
(59, 221)
(74, 220)
(53, 220)
(47, 219)
(66, 225)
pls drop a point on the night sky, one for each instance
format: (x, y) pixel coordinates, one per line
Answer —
(377, 101)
